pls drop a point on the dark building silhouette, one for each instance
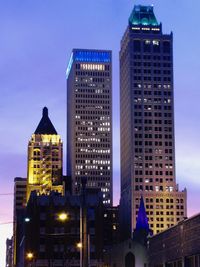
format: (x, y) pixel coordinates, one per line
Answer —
(147, 125)
(178, 246)
(53, 241)
(9, 252)
(67, 183)
(111, 227)
(133, 251)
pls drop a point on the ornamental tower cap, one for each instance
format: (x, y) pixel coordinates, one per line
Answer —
(143, 15)
(45, 125)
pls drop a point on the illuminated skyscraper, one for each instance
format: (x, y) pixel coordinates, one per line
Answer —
(89, 120)
(147, 124)
(45, 159)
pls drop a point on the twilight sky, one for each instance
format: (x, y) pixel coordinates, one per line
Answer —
(35, 45)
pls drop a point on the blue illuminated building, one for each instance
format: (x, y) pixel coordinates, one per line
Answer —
(92, 56)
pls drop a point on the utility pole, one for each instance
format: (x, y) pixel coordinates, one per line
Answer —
(83, 226)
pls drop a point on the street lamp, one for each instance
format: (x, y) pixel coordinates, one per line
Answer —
(29, 255)
(79, 245)
(63, 216)
(27, 219)
(30, 258)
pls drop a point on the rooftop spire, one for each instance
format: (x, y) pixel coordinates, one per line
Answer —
(45, 125)
(142, 220)
(143, 15)
(45, 112)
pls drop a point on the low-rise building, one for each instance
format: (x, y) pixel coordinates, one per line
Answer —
(178, 246)
(9, 252)
(131, 252)
(52, 230)
(18, 215)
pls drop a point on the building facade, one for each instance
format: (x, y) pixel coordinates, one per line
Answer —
(147, 124)
(178, 246)
(132, 252)
(45, 158)
(111, 227)
(53, 239)
(89, 120)
(18, 212)
(9, 252)
(19, 193)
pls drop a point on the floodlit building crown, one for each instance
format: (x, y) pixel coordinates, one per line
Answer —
(143, 15)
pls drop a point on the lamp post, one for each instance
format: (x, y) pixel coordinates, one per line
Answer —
(84, 258)
(30, 258)
(63, 217)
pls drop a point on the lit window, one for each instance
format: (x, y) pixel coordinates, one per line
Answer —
(155, 42)
(114, 227)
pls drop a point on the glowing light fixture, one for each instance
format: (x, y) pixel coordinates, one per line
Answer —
(79, 245)
(63, 216)
(29, 255)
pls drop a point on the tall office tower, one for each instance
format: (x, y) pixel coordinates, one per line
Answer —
(89, 120)
(45, 159)
(147, 124)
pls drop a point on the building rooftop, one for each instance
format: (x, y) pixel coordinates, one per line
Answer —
(20, 179)
(96, 56)
(143, 15)
(92, 198)
(45, 125)
(88, 56)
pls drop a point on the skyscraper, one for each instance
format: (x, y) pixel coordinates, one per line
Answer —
(147, 124)
(89, 120)
(45, 158)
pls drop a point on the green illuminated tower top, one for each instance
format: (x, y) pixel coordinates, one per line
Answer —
(143, 15)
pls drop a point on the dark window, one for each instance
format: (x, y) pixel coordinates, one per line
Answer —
(166, 47)
(156, 46)
(137, 46)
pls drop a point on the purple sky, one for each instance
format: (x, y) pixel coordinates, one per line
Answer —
(36, 41)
